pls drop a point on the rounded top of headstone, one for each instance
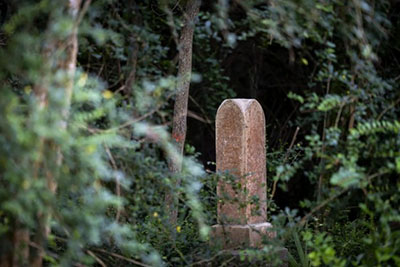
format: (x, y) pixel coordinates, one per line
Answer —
(242, 103)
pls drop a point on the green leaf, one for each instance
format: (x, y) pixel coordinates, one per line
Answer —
(346, 177)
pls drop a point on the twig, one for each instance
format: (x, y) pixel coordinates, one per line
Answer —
(207, 120)
(82, 13)
(122, 257)
(387, 108)
(210, 259)
(325, 202)
(322, 162)
(197, 117)
(352, 116)
(130, 81)
(40, 248)
(144, 116)
(171, 24)
(100, 70)
(99, 261)
(117, 184)
(339, 114)
(292, 143)
(128, 123)
(228, 261)
(284, 160)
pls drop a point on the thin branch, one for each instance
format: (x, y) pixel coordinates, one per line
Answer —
(82, 13)
(197, 117)
(122, 257)
(387, 108)
(98, 260)
(171, 23)
(322, 162)
(284, 160)
(213, 257)
(125, 124)
(325, 202)
(320, 206)
(130, 122)
(339, 114)
(207, 120)
(117, 183)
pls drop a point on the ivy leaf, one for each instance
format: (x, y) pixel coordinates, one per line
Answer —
(346, 177)
(304, 61)
(296, 97)
(398, 164)
(330, 102)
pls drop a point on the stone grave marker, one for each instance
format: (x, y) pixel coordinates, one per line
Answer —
(240, 151)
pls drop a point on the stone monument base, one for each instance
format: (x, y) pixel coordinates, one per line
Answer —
(235, 236)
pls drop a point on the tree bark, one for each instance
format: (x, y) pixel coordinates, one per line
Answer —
(181, 100)
(68, 64)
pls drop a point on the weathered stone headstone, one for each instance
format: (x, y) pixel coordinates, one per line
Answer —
(240, 150)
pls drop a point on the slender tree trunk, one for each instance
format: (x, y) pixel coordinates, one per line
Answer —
(181, 101)
(133, 59)
(68, 64)
(130, 81)
(15, 248)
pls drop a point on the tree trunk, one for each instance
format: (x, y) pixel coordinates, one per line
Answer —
(15, 248)
(68, 64)
(181, 101)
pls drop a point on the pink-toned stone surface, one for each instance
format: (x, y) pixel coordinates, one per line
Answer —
(240, 149)
(237, 236)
